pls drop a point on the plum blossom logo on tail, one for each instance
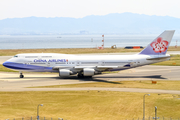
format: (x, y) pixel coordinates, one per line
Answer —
(159, 45)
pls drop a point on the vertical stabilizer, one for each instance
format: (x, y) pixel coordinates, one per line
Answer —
(160, 45)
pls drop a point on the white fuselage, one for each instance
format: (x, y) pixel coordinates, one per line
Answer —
(50, 62)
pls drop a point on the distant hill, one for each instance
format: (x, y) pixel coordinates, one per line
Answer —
(115, 23)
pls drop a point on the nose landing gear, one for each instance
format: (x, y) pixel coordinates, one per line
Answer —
(21, 75)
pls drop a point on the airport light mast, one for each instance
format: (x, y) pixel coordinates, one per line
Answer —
(103, 42)
(38, 111)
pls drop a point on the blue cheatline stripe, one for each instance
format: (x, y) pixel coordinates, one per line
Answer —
(19, 66)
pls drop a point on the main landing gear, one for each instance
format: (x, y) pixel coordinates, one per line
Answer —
(80, 75)
(21, 75)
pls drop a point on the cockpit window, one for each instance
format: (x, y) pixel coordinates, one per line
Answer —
(15, 56)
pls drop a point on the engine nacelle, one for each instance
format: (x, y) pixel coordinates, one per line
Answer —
(88, 72)
(64, 72)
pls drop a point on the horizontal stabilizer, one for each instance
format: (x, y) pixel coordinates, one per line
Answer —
(158, 58)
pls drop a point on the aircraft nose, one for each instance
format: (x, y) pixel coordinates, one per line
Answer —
(5, 64)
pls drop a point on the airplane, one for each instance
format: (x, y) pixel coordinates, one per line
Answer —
(90, 65)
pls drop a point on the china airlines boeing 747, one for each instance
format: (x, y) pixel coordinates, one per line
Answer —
(89, 65)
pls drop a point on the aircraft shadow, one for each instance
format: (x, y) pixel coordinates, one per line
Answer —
(100, 78)
(151, 77)
(91, 79)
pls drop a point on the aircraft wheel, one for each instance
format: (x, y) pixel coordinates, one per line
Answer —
(89, 76)
(21, 76)
(80, 76)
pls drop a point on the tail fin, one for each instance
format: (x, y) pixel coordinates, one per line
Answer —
(160, 45)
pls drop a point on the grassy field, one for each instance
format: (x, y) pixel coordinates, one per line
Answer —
(13, 52)
(87, 105)
(161, 84)
(66, 51)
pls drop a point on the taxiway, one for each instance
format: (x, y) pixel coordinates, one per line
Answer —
(12, 82)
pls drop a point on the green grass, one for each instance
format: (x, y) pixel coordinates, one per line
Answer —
(13, 52)
(87, 105)
(161, 84)
(66, 51)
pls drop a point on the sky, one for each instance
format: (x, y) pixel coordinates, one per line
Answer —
(82, 8)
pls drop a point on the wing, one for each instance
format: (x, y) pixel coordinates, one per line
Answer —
(97, 68)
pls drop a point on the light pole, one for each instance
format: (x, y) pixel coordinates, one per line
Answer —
(155, 114)
(144, 105)
(38, 111)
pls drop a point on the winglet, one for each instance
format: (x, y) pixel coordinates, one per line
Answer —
(160, 45)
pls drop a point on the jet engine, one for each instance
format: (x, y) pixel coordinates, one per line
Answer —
(65, 72)
(88, 72)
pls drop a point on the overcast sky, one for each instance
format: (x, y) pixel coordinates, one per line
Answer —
(82, 8)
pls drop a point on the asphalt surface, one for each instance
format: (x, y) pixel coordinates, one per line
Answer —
(12, 82)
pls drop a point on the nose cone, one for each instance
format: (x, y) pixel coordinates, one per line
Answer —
(8, 64)
(5, 64)
(12, 65)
